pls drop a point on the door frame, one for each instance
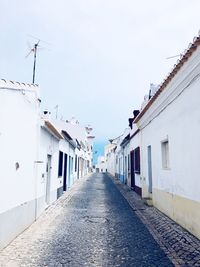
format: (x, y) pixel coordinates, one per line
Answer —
(48, 179)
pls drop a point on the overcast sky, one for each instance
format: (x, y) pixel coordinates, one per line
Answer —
(103, 53)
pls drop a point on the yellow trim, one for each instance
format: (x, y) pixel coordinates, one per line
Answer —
(184, 211)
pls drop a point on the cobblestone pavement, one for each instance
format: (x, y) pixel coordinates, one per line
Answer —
(182, 248)
(92, 226)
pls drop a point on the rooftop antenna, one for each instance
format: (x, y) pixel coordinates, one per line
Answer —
(174, 56)
(56, 108)
(34, 50)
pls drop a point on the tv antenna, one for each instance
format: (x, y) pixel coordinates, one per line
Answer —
(56, 108)
(174, 56)
(34, 50)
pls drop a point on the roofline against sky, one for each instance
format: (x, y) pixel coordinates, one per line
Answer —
(183, 58)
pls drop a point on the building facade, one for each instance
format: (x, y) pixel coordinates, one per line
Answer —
(40, 159)
(19, 142)
(47, 166)
(162, 150)
(169, 127)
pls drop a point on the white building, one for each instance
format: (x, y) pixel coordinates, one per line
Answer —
(122, 152)
(82, 155)
(126, 157)
(101, 166)
(134, 178)
(48, 183)
(39, 158)
(169, 127)
(109, 157)
(19, 143)
(163, 147)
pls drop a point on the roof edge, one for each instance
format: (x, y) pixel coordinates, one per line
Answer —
(52, 128)
(180, 62)
(19, 85)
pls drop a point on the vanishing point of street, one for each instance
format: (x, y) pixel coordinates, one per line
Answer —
(94, 226)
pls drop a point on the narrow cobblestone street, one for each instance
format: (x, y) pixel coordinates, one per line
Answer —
(92, 226)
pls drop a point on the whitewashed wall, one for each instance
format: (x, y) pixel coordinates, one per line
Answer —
(111, 163)
(109, 156)
(77, 171)
(19, 131)
(101, 164)
(126, 152)
(49, 145)
(175, 116)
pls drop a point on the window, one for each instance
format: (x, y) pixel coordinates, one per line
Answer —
(165, 154)
(137, 160)
(60, 164)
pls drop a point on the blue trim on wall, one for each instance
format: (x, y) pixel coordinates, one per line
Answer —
(121, 177)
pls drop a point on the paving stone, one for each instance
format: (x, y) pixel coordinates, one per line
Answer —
(94, 225)
(181, 247)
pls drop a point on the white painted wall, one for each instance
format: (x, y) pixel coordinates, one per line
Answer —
(49, 145)
(19, 131)
(19, 148)
(101, 164)
(77, 171)
(24, 147)
(109, 156)
(175, 115)
(76, 131)
(126, 152)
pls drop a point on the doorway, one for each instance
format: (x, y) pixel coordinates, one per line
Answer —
(48, 180)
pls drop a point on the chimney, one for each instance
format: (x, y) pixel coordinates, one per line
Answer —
(46, 114)
(130, 120)
(135, 113)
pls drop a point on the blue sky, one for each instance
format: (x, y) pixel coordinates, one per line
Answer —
(98, 149)
(103, 53)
